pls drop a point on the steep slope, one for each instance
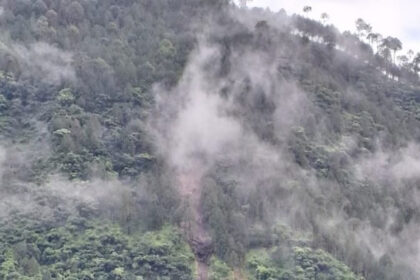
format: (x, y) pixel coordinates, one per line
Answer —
(197, 140)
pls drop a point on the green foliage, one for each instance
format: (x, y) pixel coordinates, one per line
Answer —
(163, 254)
(97, 251)
(95, 124)
(261, 267)
(3, 103)
(219, 270)
(8, 265)
(320, 265)
(299, 263)
(65, 97)
(166, 48)
(225, 220)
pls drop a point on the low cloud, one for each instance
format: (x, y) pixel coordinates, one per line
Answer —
(194, 125)
(399, 165)
(44, 62)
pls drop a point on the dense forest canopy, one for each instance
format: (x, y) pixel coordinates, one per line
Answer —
(197, 139)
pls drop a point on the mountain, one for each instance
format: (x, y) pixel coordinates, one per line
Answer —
(194, 139)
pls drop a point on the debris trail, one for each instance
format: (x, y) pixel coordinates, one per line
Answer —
(198, 237)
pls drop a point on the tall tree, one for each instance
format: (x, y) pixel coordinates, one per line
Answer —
(393, 44)
(363, 28)
(416, 63)
(385, 52)
(244, 3)
(374, 38)
(403, 60)
(324, 18)
(410, 54)
(307, 9)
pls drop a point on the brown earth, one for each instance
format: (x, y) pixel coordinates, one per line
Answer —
(189, 182)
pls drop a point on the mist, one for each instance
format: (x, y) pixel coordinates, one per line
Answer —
(234, 108)
(229, 141)
(46, 62)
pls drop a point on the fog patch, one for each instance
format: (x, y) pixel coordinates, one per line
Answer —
(45, 62)
(60, 198)
(192, 123)
(399, 165)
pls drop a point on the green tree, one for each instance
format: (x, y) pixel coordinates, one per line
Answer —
(393, 44)
(40, 7)
(307, 9)
(9, 266)
(65, 97)
(324, 18)
(74, 12)
(243, 3)
(52, 17)
(363, 28)
(375, 39)
(416, 63)
(3, 103)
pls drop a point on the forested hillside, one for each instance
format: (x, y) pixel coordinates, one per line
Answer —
(195, 139)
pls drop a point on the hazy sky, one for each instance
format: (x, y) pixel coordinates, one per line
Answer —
(399, 18)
